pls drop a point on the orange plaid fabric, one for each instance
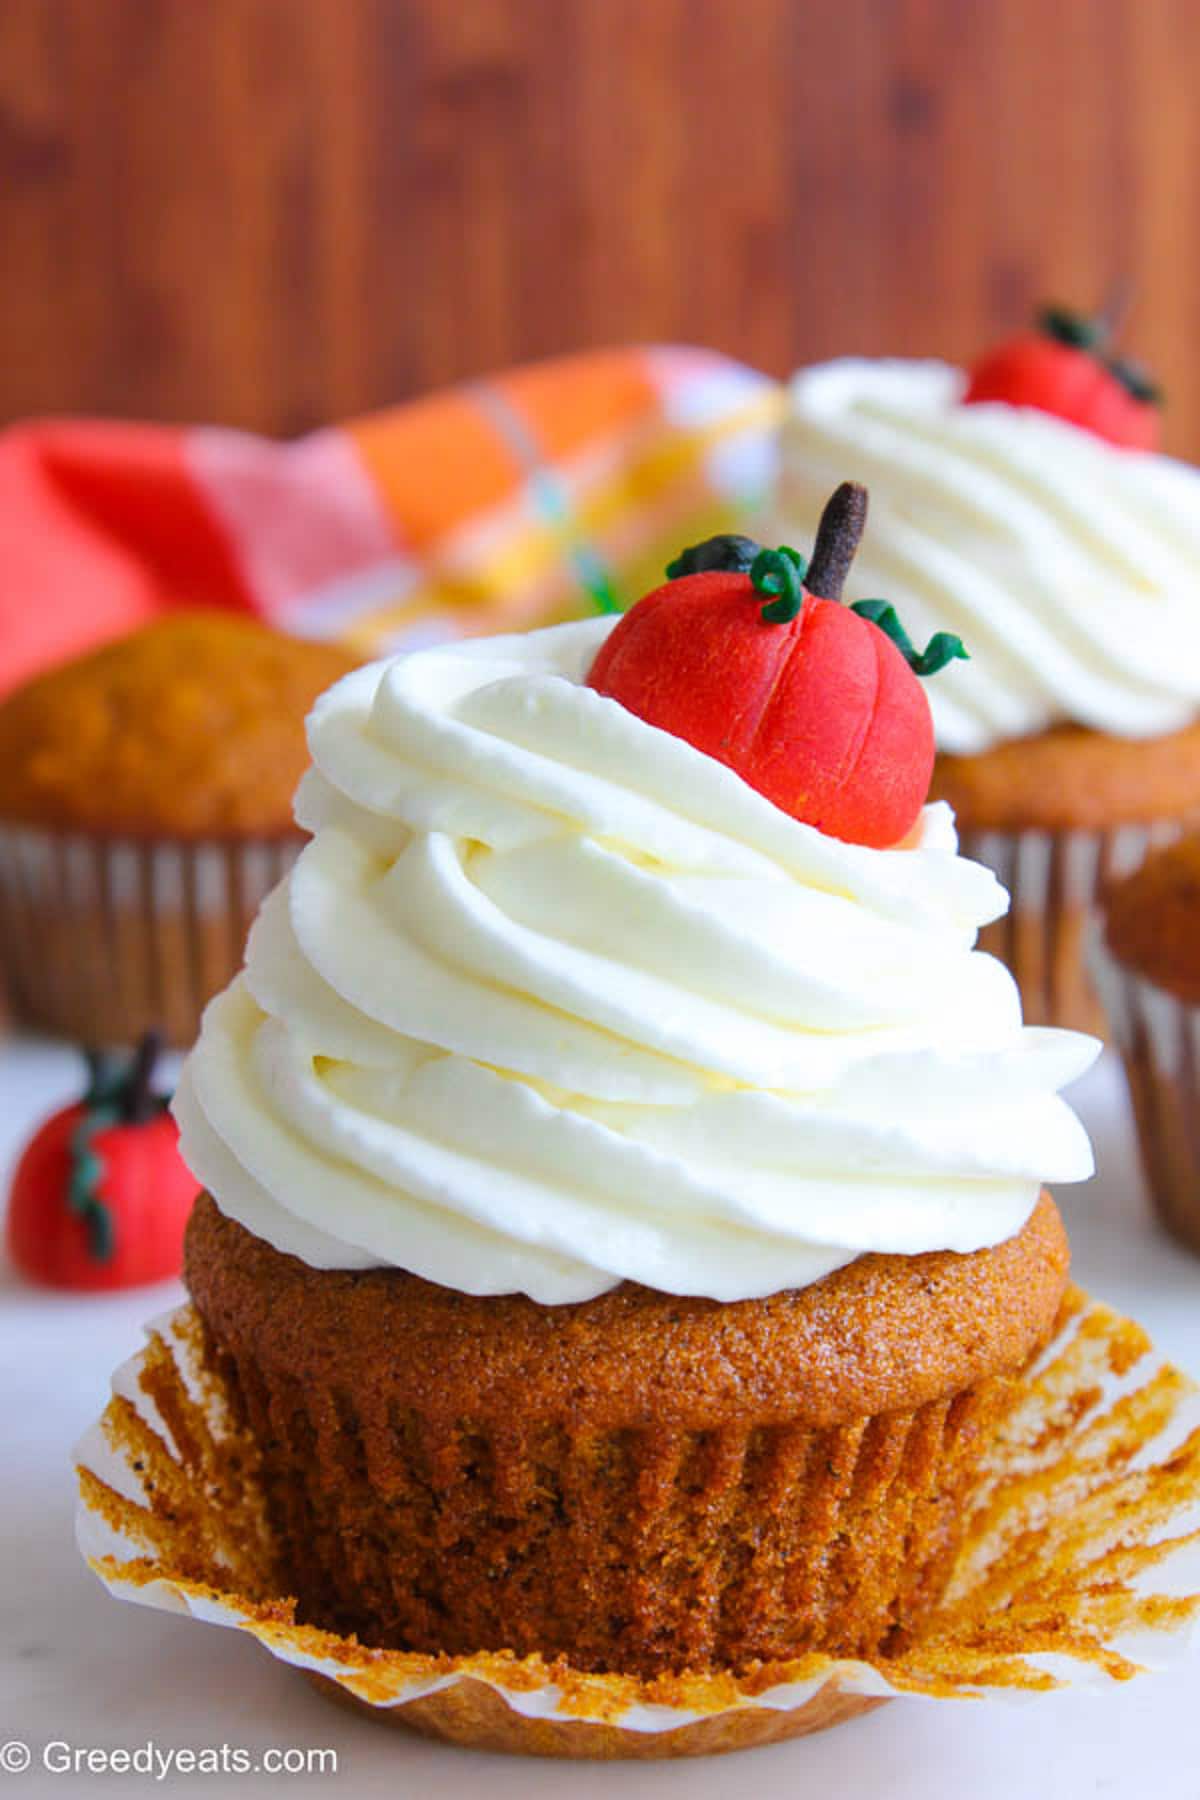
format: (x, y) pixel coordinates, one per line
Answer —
(502, 504)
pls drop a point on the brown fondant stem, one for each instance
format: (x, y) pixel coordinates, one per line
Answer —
(837, 539)
(139, 1103)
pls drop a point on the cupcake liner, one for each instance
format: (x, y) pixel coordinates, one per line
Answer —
(1158, 1037)
(102, 938)
(1054, 880)
(1080, 1563)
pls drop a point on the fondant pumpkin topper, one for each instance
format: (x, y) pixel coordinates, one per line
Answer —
(101, 1195)
(1065, 367)
(747, 654)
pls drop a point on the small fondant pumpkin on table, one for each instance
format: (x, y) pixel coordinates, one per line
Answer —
(101, 1195)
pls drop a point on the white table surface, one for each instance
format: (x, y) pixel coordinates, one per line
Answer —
(81, 1669)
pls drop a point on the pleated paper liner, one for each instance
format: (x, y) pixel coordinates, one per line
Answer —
(1055, 880)
(1158, 1037)
(1081, 1564)
(101, 939)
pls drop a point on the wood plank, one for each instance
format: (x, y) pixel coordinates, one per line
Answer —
(278, 212)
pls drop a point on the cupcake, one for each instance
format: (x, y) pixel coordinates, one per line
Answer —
(624, 1222)
(1022, 505)
(145, 810)
(1147, 963)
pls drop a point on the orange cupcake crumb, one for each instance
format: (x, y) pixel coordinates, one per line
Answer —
(642, 1482)
(1072, 779)
(1153, 919)
(192, 727)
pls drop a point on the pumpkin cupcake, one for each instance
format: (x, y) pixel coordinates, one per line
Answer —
(1148, 971)
(145, 810)
(1022, 503)
(624, 1219)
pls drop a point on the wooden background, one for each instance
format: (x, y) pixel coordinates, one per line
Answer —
(276, 212)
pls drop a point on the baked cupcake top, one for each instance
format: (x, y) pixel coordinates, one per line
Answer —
(1152, 919)
(555, 999)
(191, 727)
(1068, 564)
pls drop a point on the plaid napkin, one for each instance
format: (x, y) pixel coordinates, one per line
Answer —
(517, 501)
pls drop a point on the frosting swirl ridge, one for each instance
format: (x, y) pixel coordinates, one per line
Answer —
(1069, 566)
(552, 1000)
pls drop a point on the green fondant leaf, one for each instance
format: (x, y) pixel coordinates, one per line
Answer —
(780, 573)
(943, 646)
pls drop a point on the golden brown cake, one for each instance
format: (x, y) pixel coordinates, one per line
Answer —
(1071, 779)
(145, 809)
(1149, 971)
(638, 1482)
(1152, 920)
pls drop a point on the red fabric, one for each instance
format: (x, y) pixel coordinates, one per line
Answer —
(101, 527)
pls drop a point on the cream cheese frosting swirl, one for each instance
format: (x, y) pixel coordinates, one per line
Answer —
(1069, 567)
(552, 1000)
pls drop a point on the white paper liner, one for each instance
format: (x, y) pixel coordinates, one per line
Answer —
(1158, 1036)
(1055, 880)
(1141, 1012)
(102, 938)
(1082, 1562)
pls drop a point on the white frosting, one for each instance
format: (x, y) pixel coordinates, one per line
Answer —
(1069, 567)
(552, 1000)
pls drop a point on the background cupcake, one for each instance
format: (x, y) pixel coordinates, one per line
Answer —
(1148, 971)
(145, 810)
(1067, 556)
